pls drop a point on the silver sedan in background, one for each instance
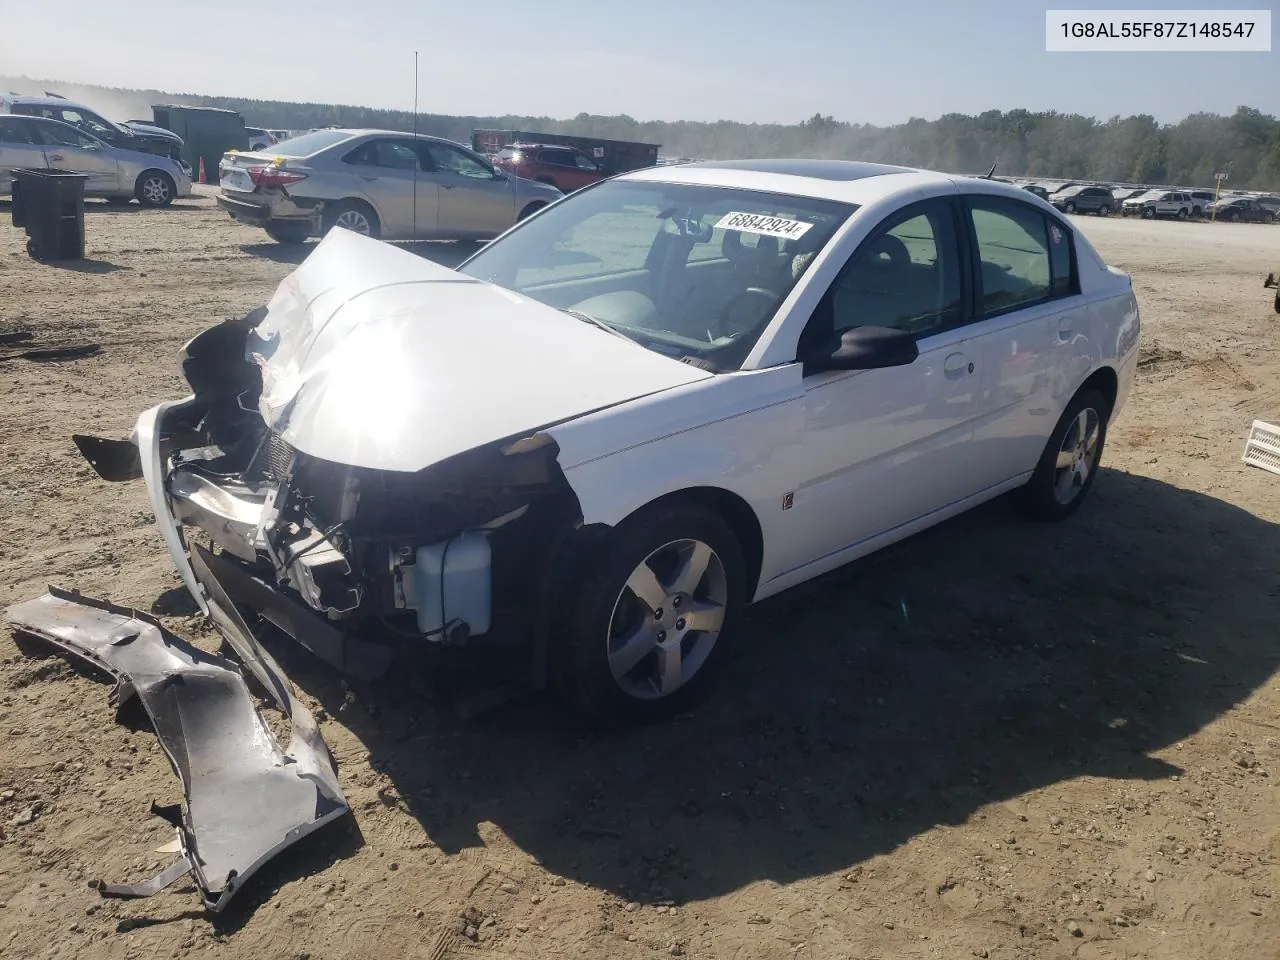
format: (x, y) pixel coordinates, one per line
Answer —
(116, 174)
(379, 183)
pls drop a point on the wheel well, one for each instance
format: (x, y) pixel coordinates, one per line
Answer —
(353, 202)
(1105, 381)
(531, 208)
(737, 513)
(150, 170)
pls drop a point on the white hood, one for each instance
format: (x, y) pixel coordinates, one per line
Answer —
(374, 357)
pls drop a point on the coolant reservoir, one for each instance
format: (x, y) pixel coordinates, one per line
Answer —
(452, 582)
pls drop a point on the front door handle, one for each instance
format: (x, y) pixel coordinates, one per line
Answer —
(957, 364)
(447, 186)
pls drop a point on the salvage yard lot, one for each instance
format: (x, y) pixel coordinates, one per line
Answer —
(998, 739)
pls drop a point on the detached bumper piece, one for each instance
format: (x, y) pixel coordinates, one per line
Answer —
(246, 799)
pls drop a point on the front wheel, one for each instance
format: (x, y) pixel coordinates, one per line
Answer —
(1148, 213)
(530, 210)
(1182, 213)
(664, 598)
(1104, 210)
(1070, 208)
(1070, 459)
(155, 189)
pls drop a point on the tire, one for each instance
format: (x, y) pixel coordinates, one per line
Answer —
(154, 188)
(1182, 213)
(1104, 210)
(1148, 213)
(530, 210)
(1055, 492)
(591, 667)
(349, 214)
(1069, 208)
(1196, 213)
(283, 231)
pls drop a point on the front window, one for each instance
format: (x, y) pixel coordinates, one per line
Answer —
(585, 163)
(59, 134)
(86, 122)
(694, 272)
(449, 159)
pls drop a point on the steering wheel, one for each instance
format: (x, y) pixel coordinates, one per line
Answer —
(731, 325)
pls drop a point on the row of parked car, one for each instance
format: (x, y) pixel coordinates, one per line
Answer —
(122, 162)
(1103, 200)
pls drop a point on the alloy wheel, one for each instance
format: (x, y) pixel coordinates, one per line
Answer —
(155, 190)
(666, 619)
(354, 221)
(1077, 457)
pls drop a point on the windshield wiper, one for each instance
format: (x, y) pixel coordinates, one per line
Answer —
(596, 322)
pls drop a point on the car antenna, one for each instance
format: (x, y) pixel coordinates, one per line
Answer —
(992, 171)
(416, 145)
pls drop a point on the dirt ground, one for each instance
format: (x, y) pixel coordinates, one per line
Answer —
(998, 739)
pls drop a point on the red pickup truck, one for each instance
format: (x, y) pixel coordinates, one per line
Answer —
(566, 168)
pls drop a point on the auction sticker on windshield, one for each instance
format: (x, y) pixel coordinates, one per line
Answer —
(764, 226)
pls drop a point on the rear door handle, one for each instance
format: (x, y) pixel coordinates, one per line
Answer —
(957, 364)
(55, 156)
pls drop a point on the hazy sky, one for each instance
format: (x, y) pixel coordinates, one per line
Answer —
(750, 60)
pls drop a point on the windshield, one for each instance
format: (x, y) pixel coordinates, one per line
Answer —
(309, 143)
(694, 272)
(1069, 191)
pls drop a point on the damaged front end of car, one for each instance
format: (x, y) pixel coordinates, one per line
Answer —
(352, 561)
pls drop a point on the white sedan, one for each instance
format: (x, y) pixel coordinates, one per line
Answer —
(667, 396)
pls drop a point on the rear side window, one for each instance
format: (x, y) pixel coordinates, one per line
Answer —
(1024, 257)
(14, 131)
(560, 158)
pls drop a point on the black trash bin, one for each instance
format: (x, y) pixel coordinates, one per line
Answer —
(49, 205)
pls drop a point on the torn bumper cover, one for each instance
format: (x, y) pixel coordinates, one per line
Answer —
(246, 798)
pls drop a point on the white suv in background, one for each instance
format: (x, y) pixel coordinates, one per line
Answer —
(1160, 203)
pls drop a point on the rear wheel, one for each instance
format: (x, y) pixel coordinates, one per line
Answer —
(353, 215)
(285, 232)
(1070, 459)
(1070, 208)
(1148, 213)
(155, 188)
(662, 599)
(1182, 213)
(1104, 210)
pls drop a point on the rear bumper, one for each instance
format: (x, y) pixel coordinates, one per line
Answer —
(254, 214)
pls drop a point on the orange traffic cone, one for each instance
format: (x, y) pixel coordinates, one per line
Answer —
(200, 175)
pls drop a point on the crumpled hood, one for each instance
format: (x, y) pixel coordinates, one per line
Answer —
(147, 129)
(374, 357)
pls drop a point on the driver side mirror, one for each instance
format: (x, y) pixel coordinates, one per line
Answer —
(862, 348)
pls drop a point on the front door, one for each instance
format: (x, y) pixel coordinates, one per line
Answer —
(20, 148)
(388, 172)
(474, 202)
(66, 148)
(885, 447)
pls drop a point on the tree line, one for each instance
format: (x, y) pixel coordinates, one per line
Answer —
(1136, 149)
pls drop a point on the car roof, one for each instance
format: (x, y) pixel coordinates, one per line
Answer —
(374, 131)
(527, 144)
(848, 181)
(42, 101)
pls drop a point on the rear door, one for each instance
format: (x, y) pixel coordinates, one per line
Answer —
(19, 148)
(474, 202)
(389, 173)
(1032, 327)
(66, 148)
